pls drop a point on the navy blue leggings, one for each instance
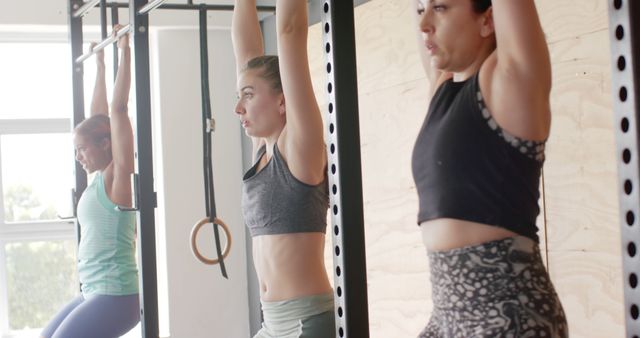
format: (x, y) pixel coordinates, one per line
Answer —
(96, 317)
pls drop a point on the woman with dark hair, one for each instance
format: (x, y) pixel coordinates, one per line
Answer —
(285, 197)
(109, 304)
(477, 164)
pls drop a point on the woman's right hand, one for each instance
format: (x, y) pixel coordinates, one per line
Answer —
(99, 54)
(123, 41)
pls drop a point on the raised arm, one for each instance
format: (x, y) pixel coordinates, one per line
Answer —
(519, 71)
(521, 45)
(99, 105)
(304, 143)
(121, 131)
(247, 41)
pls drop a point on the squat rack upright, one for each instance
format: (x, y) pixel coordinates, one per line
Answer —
(624, 34)
(343, 137)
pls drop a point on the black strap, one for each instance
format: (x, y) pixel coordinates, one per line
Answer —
(207, 128)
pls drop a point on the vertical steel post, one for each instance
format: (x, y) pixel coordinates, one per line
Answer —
(144, 171)
(624, 31)
(345, 174)
(77, 82)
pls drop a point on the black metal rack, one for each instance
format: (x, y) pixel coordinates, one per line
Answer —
(625, 77)
(344, 158)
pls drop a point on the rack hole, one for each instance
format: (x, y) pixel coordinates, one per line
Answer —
(622, 63)
(623, 94)
(628, 187)
(617, 4)
(624, 125)
(619, 32)
(631, 217)
(626, 156)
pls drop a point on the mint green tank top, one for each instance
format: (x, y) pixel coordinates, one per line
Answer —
(106, 255)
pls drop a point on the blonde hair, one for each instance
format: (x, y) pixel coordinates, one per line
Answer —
(269, 67)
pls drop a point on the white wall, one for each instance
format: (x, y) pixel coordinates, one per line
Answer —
(201, 302)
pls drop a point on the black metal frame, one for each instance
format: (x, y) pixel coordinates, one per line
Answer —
(144, 169)
(345, 177)
(345, 174)
(625, 83)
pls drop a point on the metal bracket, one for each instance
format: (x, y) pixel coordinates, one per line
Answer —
(211, 125)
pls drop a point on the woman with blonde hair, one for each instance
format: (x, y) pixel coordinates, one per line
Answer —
(285, 193)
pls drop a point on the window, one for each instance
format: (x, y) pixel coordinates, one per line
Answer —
(37, 248)
(33, 188)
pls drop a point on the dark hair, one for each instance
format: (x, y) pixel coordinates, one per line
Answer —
(269, 68)
(96, 128)
(481, 6)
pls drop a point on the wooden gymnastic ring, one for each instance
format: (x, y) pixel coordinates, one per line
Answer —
(194, 246)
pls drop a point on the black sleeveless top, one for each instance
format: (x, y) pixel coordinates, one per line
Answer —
(466, 167)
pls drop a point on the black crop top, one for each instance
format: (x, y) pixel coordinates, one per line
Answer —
(466, 167)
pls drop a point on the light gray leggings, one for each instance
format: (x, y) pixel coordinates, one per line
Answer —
(96, 317)
(305, 317)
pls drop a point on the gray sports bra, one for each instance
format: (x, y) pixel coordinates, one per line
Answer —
(275, 202)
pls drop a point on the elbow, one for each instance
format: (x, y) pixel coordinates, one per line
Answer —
(288, 28)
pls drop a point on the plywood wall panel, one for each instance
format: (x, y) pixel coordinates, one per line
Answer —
(587, 285)
(580, 172)
(568, 19)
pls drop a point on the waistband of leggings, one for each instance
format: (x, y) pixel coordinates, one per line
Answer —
(297, 308)
(521, 243)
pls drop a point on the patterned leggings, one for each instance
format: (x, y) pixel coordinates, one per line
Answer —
(495, 289)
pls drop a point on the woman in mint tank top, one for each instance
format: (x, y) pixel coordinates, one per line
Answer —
(109, 305)
(285, 195)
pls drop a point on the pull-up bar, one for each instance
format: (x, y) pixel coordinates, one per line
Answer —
(104, 44)
(150, 6)
(159, 4)
(82, 11)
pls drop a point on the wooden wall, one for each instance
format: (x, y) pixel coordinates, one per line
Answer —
(580, 193)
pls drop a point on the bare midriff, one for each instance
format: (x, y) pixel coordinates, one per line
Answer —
(290, 265)
(444, 234)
